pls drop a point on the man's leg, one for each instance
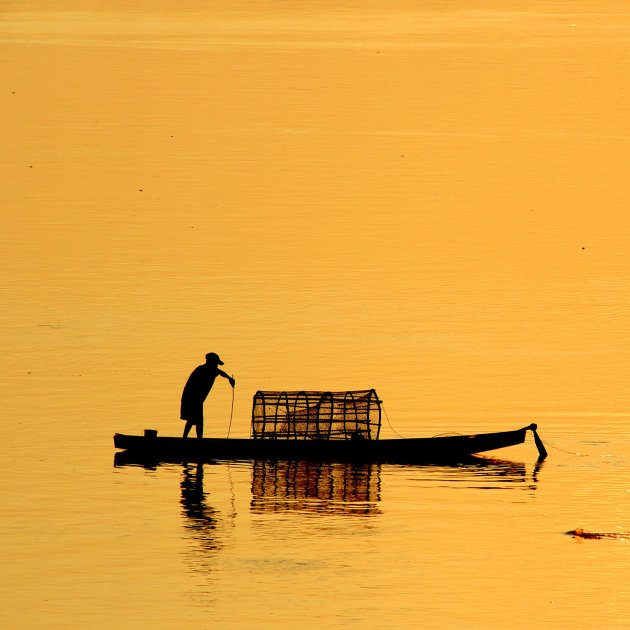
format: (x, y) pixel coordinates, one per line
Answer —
(187, 428)
(199, 428)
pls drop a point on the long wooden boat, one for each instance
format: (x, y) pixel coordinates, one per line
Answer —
(320, 425)
(447, 448)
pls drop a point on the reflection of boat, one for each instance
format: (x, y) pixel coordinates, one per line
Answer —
(486, 472)
(330, 487)
(331, 426)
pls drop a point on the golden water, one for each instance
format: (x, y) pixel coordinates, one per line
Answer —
(429, 199)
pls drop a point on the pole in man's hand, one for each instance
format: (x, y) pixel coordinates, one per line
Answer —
(232, 409)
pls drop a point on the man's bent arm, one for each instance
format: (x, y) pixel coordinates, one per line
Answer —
(229, 378)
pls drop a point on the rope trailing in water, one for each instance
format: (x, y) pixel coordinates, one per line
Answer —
(231, 410)
(563, 450)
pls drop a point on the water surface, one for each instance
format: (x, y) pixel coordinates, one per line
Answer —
(426, 200)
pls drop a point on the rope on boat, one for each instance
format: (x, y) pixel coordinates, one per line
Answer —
(389, 423)
(231, 410)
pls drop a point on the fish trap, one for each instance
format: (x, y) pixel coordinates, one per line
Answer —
(352, 415)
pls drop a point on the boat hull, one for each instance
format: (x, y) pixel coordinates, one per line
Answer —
(449, 448)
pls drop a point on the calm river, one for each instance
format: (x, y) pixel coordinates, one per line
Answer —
(429, 199)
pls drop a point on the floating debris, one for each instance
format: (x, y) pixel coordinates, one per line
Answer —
(581, 533)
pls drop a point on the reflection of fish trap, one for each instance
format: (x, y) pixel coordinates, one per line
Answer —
(316, 415)
(326, 487)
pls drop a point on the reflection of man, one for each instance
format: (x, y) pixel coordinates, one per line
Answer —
(201, 518)
(196, 390)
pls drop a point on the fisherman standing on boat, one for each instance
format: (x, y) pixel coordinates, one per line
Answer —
(196, 390)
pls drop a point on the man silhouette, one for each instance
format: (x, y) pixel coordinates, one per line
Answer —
(196, 390)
